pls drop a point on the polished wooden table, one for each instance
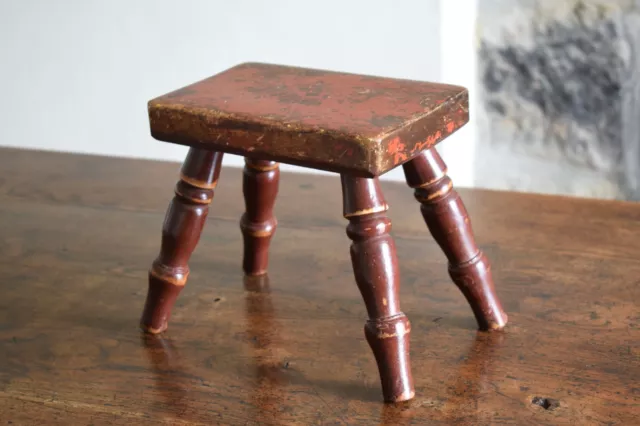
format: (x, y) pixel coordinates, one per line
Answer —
(76, 233)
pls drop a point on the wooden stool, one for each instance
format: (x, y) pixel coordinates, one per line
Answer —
(358, 126)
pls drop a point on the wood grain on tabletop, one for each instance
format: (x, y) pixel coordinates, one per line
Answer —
(78, 232)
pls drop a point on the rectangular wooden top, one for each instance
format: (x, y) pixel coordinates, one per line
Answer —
(78, 233)
(321, 119)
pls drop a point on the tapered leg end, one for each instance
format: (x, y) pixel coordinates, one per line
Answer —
(389, 341)
(161, 297)
(255, 259)
(476, 283)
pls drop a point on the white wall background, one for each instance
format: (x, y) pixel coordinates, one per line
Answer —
(75, 75)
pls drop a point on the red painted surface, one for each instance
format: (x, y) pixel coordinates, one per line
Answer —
(397, 148)
(427, 143)
(327, 120)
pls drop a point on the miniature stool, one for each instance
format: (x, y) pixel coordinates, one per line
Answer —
(358, 126)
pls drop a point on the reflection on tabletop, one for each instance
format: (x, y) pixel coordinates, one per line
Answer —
(464, 389)
(165, 360)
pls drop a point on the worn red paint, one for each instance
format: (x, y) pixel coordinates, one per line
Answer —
(300, 116)
(427, 143)
(451, 126)
(396, 149)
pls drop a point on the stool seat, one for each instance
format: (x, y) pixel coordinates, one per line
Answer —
(339, 122)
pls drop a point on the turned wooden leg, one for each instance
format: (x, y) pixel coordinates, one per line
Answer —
(260, 187)
(180, 234)
(375, 266)
(449, 223)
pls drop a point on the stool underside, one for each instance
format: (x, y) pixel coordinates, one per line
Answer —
(326, 120)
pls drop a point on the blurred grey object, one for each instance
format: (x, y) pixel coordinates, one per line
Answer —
(559, 97)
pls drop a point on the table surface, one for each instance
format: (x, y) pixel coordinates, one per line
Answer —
(79, 232)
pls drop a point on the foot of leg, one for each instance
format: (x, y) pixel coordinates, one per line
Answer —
(180, 234)
(449, 223)
(375, 266)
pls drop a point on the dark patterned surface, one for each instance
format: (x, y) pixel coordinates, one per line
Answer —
(78, 231)
(327, 120)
